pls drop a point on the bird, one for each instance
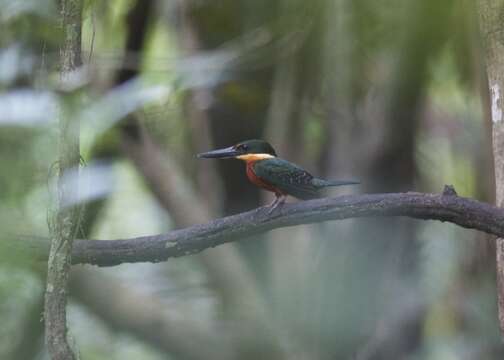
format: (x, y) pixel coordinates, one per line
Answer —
(265, 170)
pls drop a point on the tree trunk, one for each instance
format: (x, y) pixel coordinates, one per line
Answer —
(492, 30)
(66, 220)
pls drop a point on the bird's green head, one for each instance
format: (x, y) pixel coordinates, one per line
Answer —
(245, 150)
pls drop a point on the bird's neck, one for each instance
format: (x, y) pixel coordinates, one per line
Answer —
(254, 157)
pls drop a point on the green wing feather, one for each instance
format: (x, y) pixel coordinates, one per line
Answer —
(288, 177)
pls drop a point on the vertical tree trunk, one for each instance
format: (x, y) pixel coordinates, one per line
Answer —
(492, 30)
(65, 225)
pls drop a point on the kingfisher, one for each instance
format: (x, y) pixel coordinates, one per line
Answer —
(266, 170)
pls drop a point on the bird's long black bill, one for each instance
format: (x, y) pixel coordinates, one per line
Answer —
(225, 153)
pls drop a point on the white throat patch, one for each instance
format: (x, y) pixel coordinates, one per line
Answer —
(254, 157)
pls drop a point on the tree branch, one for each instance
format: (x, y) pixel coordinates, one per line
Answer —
(461, 211)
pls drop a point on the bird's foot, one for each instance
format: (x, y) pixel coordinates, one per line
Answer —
(279, 201)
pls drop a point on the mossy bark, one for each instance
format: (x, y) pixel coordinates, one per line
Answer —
(65, 225)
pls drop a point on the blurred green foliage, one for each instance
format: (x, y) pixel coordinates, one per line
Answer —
(386, 91)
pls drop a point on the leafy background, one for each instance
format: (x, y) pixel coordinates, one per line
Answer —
(388, 92)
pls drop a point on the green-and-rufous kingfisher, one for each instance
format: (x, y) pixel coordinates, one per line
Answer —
(269, 172)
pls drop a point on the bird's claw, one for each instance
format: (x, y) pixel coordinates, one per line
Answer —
(275, 204)
(272, 208)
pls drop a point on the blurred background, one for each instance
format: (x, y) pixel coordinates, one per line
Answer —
(392, 93)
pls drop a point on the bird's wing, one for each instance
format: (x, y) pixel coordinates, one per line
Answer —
(287, 177)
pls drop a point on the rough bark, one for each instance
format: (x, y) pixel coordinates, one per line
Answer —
(444, 207)
(67, 216)
(492, 29)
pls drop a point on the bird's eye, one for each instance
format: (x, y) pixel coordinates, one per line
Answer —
(243, 147)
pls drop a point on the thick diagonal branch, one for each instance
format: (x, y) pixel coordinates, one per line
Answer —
(447, 207)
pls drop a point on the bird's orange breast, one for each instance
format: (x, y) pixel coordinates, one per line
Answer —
(258, 181)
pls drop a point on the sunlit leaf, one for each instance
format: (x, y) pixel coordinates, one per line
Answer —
(117, 103)
(205, 69)
(12, 9)
(72, 80)
(14, 62)
(27, 108)
(94, 181)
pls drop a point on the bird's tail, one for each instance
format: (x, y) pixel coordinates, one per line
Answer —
(325, 183)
